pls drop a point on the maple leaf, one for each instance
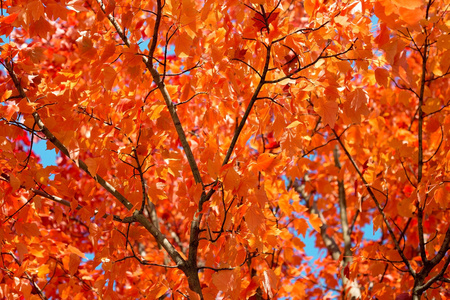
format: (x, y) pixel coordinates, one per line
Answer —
(356, 105)
(315, 222)
(9, 110)
(317, 124)
(265, 160)
(409, 4)
(327, 110)
(262, 21)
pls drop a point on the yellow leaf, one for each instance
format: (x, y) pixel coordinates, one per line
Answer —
(293, 124)
(155, 111)
(43, 271)
(5, 95)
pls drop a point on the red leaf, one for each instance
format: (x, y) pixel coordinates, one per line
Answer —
(262, 21)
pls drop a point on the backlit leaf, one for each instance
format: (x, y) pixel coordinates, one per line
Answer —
(315, 221)
(265, 160)
(382, 76)
(327, 110)
(409, 4)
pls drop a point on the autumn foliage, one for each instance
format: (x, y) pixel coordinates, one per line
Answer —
(201, 144)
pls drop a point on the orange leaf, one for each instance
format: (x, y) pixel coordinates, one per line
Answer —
(9, 110)
(109, 76)
(406, 207)
(157, 290)
(74, 262)
(182, 44)
(109, 50)
(261, 22)
(269, 282)
(55, 10)
(155, 111)
(311, 6)
(265, 160)
(382, 76)
(293, 124)
(327, 110)
(315, 222)
(301, 226)
(43, 271)
(26, 107)
(356, 105)
(8, 19)
(76, 251)
(443, 42)
(21, 250)
(42, 28)
(223, 279)
(433, 124)
(92, 165)
(254, 218)
(409, 4)
(441, 196)
(86, 47)
(33, 10)
(232, 180)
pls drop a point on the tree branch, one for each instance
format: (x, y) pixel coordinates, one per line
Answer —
(377, 204)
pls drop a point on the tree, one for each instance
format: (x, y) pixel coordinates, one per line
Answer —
(199, 140)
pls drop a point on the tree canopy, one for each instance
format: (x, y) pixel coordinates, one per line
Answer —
(200, 143)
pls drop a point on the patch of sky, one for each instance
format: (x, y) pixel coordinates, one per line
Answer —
(48, 157)
(310, 245)
(143, 43)
(369, 234)
(89, 257)
(4, 40)
(375, 25)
